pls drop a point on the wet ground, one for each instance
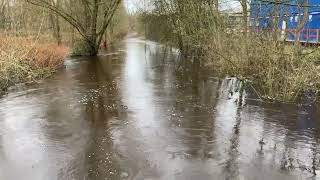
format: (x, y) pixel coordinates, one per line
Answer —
(128, 115)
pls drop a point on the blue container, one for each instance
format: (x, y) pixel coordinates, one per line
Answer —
(287, 17)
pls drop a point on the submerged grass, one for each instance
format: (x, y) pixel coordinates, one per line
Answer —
(26, 59)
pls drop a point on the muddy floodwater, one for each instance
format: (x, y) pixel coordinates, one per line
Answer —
(128, 115)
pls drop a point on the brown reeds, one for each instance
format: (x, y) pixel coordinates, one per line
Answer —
(25, 59)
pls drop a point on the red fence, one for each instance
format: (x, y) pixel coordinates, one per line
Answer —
(306, 35)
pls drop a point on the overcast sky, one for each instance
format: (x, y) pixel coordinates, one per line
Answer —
(133, 5)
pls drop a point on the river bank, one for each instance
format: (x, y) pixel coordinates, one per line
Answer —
(262, 59)
(27, 59)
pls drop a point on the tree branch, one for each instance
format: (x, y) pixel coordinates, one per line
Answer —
(67, 17)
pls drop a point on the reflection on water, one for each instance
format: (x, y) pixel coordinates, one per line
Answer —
(129, 115)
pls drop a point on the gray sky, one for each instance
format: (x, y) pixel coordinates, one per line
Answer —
(133, 5)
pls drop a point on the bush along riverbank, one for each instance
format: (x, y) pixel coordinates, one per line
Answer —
(24, 59)
(275, 70)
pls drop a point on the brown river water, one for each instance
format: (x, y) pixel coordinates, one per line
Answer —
(128, 115)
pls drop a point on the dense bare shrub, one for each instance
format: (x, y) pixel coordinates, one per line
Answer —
(24, 59)
(274, 69)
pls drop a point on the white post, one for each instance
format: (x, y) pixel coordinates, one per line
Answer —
(283, 30)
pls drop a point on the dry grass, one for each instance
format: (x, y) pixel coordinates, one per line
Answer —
(275, 70)
(25, 59)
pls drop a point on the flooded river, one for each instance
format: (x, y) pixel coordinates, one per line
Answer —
(129, 115)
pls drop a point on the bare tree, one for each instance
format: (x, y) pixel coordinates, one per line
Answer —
(303, 11)
(3, 9)
(54, 19)
(95, 18)
(244, 5)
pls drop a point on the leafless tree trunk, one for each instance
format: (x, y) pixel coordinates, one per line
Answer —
(244, 16)
(3, 5)
(302, 19)
(98, 12)
(54, 19)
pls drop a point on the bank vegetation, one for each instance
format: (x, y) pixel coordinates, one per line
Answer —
(37, 35)
(24, 59)
(273, 69)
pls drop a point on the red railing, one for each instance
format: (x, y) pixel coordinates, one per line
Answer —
(311, 35)
(306, 35)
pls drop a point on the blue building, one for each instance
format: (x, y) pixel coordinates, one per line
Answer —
(286, 17)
